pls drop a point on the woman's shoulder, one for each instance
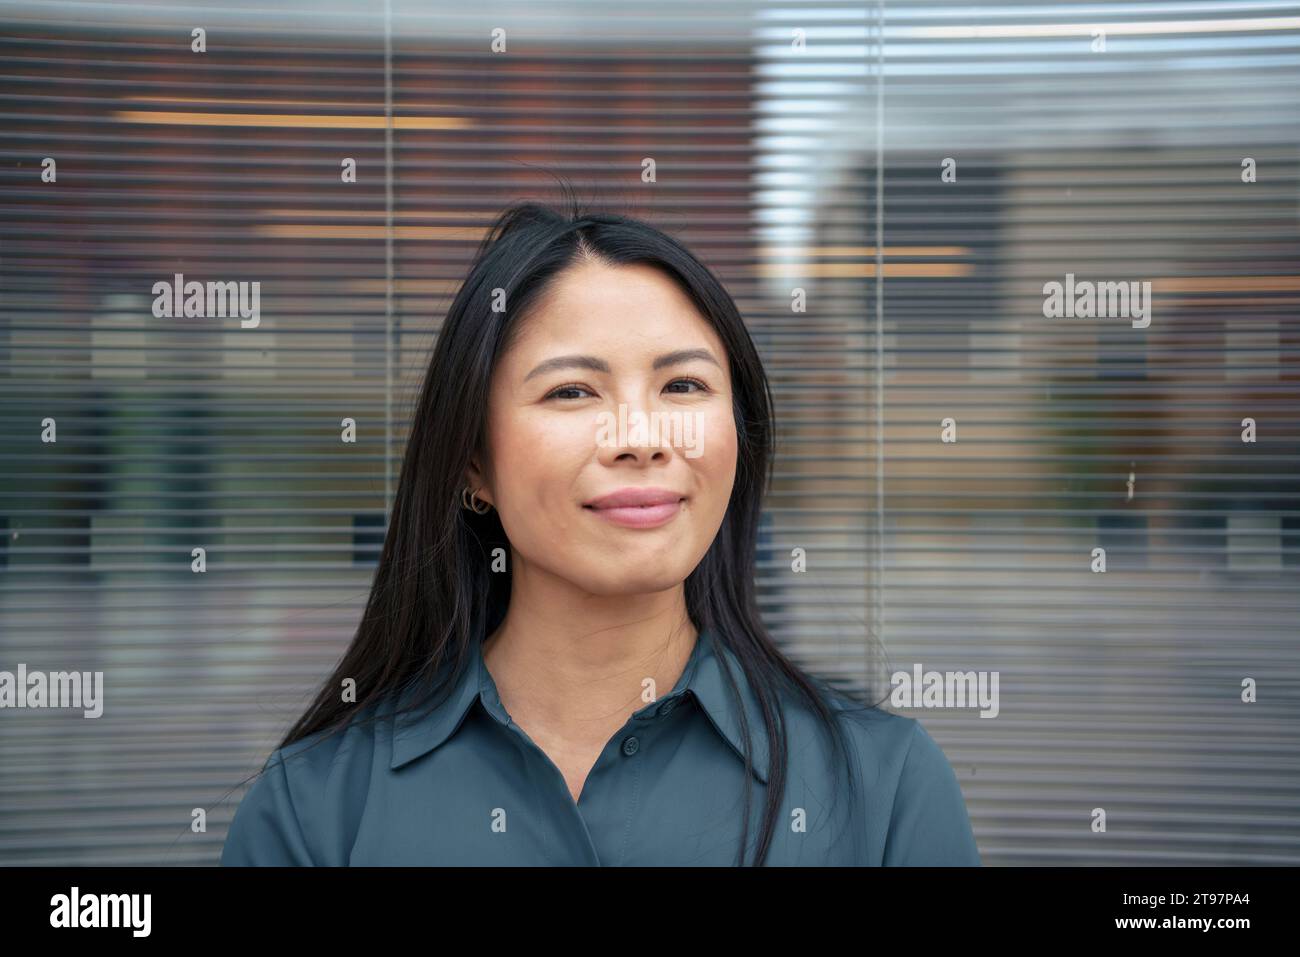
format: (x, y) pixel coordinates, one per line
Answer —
(893, 744)
(907, 775)
(879, 739)
(315, 758)
(307, 789)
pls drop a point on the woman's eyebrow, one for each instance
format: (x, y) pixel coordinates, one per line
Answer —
(600, 365)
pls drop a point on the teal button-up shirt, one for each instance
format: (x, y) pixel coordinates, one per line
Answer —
(465, 785)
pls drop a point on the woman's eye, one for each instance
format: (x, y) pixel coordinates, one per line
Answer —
(558, 393)
(555, 394)
(695, 382)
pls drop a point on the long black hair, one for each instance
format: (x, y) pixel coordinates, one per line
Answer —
(434, 592)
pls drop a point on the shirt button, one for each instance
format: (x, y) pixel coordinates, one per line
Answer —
(630, 745)
(666, 707)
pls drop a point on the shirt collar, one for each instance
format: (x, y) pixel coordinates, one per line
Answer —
(416, 733)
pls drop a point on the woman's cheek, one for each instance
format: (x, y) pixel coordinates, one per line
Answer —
(717, 442)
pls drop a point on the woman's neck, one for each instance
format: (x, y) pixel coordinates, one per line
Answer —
(570, 676)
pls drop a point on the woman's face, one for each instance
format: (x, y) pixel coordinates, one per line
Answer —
(589, 347)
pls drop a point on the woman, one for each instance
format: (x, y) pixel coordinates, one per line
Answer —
(561, 660)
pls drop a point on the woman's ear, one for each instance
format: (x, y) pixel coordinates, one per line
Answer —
(476, 482)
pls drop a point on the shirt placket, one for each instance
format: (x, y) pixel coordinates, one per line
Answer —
(569, 826)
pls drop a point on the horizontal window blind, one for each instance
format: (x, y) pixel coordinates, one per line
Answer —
(1077, 144)
(885, 189)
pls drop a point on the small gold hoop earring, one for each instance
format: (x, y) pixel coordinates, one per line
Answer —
(471, 501)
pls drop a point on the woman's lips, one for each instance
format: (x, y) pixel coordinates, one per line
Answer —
(638, 516)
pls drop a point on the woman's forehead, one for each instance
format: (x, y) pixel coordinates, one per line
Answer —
(615, 313)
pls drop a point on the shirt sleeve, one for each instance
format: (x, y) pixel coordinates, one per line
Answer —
(929, 826)
(265, 831)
